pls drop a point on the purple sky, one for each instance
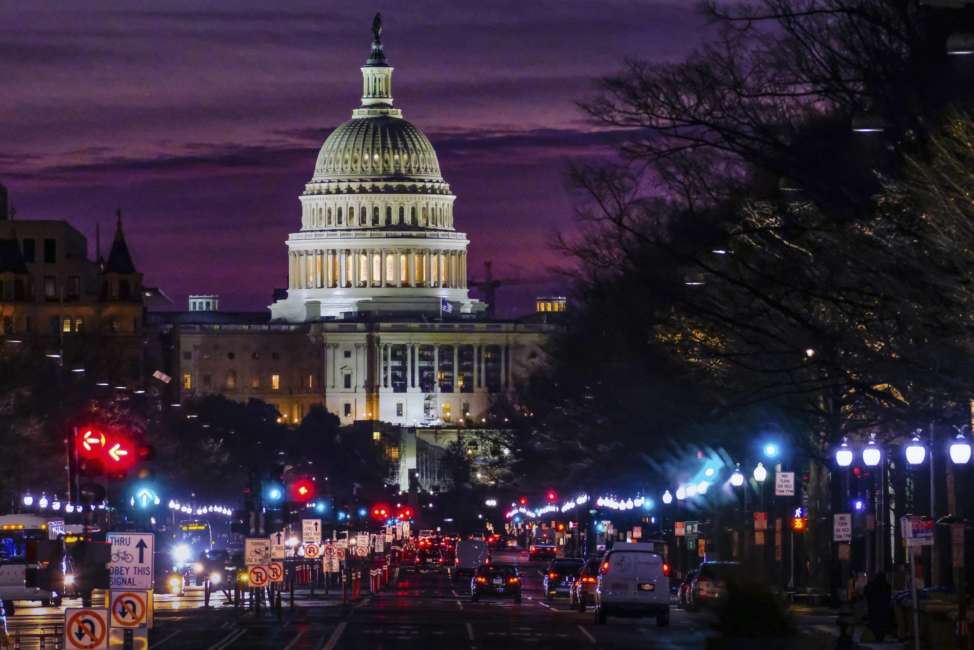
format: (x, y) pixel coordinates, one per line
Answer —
(202, 120)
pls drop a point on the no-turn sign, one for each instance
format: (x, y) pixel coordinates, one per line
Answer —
(312, 550)
(276, 570)
(129, 608)
(259, 576)
(86, 629)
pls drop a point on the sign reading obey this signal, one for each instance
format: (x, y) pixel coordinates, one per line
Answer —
(131, 566)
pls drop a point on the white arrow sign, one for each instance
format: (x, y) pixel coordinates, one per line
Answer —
(131, 566)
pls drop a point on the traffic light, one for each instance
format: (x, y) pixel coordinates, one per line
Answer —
(90, 442)
(523, 501)
(551, 496)
(405, 513)
(799, 522)
(100, 452)
(272, 491)
(302, 490)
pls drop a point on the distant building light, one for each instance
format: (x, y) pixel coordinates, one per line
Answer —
(549, 304)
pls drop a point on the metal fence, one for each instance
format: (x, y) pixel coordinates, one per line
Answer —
(45, 639)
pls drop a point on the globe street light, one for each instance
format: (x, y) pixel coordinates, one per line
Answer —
(760, 473)
(960, 450)
(681, 492)
(667, 498)
(843, 455)
(28, 500)
(737, 478)
(915, 453)
(872, 454)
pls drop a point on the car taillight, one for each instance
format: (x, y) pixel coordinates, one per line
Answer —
(481, 580)
(589, 580)
(666, 569)
(532, 548)
(552, 576)
(513, 581)
(605, 566)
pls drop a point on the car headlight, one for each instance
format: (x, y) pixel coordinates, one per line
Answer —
(175, 584)
(69, 579)
(215, 578)
(198, 567)
(181, 553)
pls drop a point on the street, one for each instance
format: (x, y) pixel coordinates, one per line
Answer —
(422, 610)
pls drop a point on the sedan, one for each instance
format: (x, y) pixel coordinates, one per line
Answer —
(560, 575)
(495, 580)
(583, 588)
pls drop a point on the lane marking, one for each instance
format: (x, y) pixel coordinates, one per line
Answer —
(164, 639)
(335, 636)
(363, 603)
(546, 605)
(586, 634)
(295, 639)
(454, 592)
(470, 632)
(228, 639)
(459, 604)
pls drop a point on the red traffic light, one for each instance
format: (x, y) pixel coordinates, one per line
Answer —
(523, 501)
(119, 453)
(551, 496)
(90, 442)
(405, 513)
(799, 524)
(302, 490)
(381, 512)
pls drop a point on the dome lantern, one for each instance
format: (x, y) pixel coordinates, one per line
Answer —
(376, 79)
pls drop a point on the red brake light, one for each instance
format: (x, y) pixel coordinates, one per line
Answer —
(532, 548)
(481, 580)
(605, 566)
(513, 581)
(552, 576)
(666, 569)
(589, 580)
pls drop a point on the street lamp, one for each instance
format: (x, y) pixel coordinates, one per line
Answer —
(737, 478)
(28, 500)
(681, 492)
(771, 450)
(843, 455)
(872, 454)
(667, 498)
(960, 450)
(915, 452)
(760, 473)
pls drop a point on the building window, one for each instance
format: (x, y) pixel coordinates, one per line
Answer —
(231, 382)
(339, 216)
(466, 409)
(375, 216)
(79, 324)
(74, 287)
(50, 287)
(187, 381)
(311, 381)
(376, 436)
(347, 409)
(348, 354)
(187, 355)
(255, 381)
(50, 251)
(399, 409)
(207, 380)
(348, 380)
(55, 325)
(30, 251)
(275, 382)
(66, 326)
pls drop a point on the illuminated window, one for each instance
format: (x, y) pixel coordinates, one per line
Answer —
(275, 382)
(79, 324)
(311, 381)
(255, 381)
(231, 381)
(446, 412)
(394, 453)
(376, 436)
(347, 409)
(66, 325)
(187, 381)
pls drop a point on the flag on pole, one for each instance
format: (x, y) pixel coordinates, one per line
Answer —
(446, 306)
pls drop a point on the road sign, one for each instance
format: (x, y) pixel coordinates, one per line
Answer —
(362, 551)
(679, 529)
(129, 608)
(55, 528)
(760, 521)
(276, 570)
(362, 540)
(259, 576)
(312, 550)
(380, 543)
(330, 564)
(842, 527)
(784, 484)
(917, 531)
(701, 547)
(86, 628)
(131, 566)
(278, 547)
(257, 550)
(311, 531)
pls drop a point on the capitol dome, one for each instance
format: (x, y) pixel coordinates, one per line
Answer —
(383, 146)
(377, 232)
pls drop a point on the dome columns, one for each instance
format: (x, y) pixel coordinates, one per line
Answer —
(374, 268)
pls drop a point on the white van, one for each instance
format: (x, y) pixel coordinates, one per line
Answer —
(633, 581)
(470, 554)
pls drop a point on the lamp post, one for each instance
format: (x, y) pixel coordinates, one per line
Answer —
(960, 454)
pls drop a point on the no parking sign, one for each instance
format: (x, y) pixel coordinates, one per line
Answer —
(86, 628)
(259, 576)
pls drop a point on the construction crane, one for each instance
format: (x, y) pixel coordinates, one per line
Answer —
(489, 285)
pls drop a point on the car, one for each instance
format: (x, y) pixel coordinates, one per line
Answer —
(495, 580)
(709, 586)
(583, 588)
(428, 557)
(633, 581)
(542, 550)
(447, 558)
(470, 555)
(560, 575)
(684, 591)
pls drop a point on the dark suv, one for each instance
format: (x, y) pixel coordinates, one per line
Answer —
(560, 575)
(495, 580)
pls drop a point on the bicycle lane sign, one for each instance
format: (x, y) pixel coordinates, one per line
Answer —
(131, 567)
